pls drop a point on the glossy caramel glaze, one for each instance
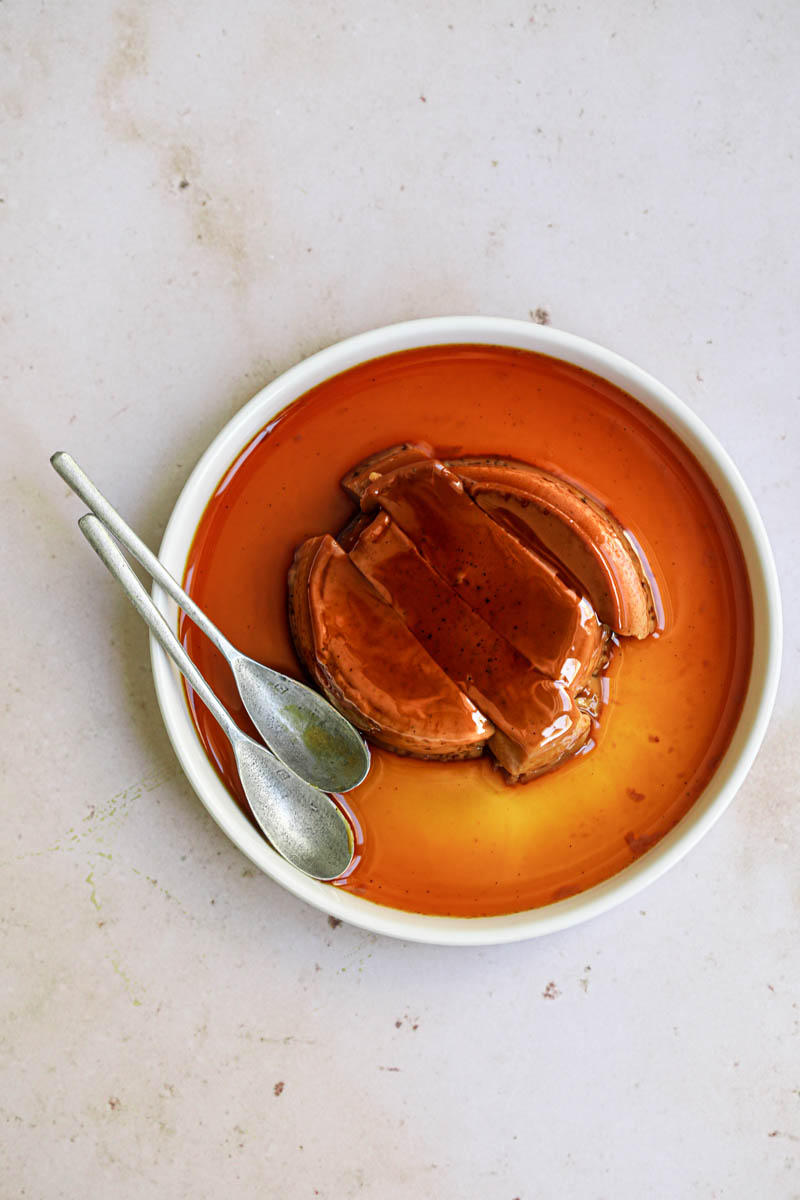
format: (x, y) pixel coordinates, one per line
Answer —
(365, 660)
(535, 718)
(551, 517)
(521, 595)
(453, 837)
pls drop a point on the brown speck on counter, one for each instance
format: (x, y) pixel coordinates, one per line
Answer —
(334, 922)
(540, 315)
(113, 1103)
(551, 992)
(279, 1086)
(184, 183)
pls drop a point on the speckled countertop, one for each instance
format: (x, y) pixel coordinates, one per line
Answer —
(191, 200)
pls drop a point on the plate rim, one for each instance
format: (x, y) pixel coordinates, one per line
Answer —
(762, 687)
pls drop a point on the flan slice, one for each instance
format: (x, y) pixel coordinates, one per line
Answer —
(520, 595)
(370, 666)
(556, 519)
(536, 721)
(370, 469)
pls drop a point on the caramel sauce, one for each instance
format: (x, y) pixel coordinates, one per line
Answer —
(453, 838)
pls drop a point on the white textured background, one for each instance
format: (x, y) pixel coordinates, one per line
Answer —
(192, 199)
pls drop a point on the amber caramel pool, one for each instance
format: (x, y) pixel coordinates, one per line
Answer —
(453, 838)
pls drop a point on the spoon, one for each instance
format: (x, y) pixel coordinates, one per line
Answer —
(303, 824)
(300, 727)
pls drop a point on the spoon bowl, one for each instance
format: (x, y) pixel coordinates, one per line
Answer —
(313, 738)
(303, 823)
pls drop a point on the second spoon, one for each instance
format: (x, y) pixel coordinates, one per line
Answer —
(303, 824)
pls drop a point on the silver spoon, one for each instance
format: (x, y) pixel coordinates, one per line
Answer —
(300, 727)
(302, 823)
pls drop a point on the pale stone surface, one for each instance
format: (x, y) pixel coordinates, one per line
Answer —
(192, 200)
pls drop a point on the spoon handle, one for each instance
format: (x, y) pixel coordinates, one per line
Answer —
(102, 542)
(82, 485)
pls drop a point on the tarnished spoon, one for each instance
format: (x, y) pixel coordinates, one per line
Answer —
(300, 727)
(301, 822)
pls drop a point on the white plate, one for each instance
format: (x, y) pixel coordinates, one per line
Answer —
(763, 581)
